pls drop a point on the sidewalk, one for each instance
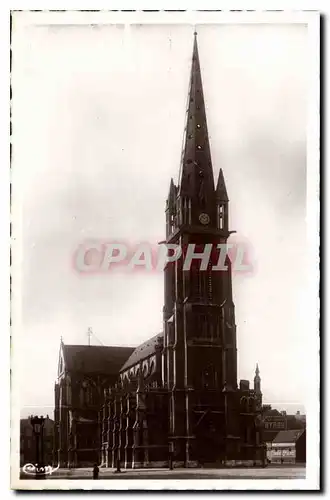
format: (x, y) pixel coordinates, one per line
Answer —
(182, 473)
(108, 472)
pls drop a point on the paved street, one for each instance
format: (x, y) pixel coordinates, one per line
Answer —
(243, 473)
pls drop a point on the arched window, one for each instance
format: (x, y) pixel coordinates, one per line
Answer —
(171, 221)
(195, 289)
(209, 283)
(221, 216)
(85, 393)
(185, 210)
(68, 393)
(212, 333)
(206, 283)
(179, 210)
(252, 404)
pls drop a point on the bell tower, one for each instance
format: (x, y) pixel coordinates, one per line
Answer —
(200, 355)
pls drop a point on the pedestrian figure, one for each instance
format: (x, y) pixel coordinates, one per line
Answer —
(170, 460)
(95, 472)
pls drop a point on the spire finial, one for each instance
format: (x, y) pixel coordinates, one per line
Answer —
(257, 381)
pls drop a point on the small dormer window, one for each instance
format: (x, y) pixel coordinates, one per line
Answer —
(190, 136)
(199, 147)
(221, 216)
(198, 125)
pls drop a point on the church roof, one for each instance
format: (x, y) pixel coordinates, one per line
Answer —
(288, 436)
(143, 351)
(95, 359)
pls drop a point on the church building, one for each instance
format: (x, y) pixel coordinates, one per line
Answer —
(175, 398)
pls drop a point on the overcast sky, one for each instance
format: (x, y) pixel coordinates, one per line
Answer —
(98, 117)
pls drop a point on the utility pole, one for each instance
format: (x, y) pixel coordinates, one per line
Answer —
(89, 334)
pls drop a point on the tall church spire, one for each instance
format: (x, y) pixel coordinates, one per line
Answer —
(197, 182)
(221, 191)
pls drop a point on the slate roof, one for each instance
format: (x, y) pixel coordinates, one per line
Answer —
(143, 351)
(273, 413)
(95, 359)
(288, 436)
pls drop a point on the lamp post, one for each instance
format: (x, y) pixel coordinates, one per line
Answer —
(38, 425)
(170, 457)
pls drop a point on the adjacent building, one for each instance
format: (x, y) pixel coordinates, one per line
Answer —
(288, 447)
(274, 421)
(28, 443)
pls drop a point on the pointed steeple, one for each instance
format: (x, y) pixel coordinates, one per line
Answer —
(171, 195)
(257, 381)
(221, 191)
(171, 208)
(196, 180)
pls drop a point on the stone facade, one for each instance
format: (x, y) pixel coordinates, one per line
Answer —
(83, 373)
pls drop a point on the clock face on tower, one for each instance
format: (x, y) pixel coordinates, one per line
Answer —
(204, 218)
